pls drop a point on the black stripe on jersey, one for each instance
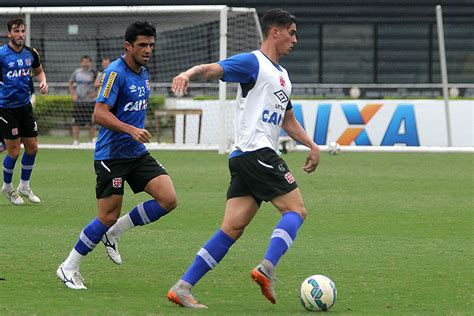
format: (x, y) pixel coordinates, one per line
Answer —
(246, 87)
(289, 106)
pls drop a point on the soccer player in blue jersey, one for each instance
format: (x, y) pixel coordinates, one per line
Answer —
(257, 173)
(120, 155)
(17, 122)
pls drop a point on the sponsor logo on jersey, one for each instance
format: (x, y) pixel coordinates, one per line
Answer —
(271, 117)
(281, 95)
(22, 72)
(109, 84)
(282, 167)
(289, 177)
(136, 106)
(133, 88)
(11, 64)
(117, 183)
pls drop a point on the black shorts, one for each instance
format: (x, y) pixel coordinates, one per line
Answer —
(18, 122)
(82, 113)
(111, 174)
(261, 174)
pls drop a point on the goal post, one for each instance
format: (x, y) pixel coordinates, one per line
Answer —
(186, 36)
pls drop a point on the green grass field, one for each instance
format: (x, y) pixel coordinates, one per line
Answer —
(394, 231)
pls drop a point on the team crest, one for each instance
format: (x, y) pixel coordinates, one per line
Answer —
(117, 183)
(15, 131)
(28, 62)
(282, 167)
(282, 81)
(148, 87)
(289, 177)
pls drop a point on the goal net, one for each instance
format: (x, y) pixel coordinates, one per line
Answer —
(187, 35)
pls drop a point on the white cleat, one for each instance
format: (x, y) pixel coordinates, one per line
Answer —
(181, 295)
(111, 246)
(28, 194)
(72, 279)
(13, 196)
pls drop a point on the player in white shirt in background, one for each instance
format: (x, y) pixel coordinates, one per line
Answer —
(257, 172)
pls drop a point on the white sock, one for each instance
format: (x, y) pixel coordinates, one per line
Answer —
(24, 184)
(123, 224)
(7, 187)
(73, 261)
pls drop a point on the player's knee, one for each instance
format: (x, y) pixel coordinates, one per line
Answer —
(233, 231)
(108, 219)
(302, 211)
(31, 150)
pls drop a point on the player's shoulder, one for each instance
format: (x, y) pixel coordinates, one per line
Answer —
(31, 50)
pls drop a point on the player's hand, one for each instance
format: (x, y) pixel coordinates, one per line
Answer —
(43, 87)
(180, 84)
(312, 161)
(141, 135)
(74, 98)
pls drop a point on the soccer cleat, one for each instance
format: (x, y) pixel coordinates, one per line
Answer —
(111, 246)
(262, 278)
(72, 280)
(26, 192)
(13, 196)
(182, 296)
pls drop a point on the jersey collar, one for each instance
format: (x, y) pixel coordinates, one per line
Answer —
(276, 65)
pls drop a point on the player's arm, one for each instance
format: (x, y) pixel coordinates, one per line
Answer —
(41, 78)
(71, 87)
(295, 130)
(103, 117)
(38, 71)
(205, 72)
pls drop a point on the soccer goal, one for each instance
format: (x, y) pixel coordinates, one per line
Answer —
(187, 35)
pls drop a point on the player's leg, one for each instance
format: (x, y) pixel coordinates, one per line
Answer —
(293, 212)
(108, 211)
(13, 151)
(27, 164)
(238, 214)
(151, 177)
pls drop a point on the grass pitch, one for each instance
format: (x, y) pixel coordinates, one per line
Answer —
(394, 231)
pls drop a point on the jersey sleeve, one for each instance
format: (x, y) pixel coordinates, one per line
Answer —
(289, 106)
(109, 89)
(73, 76)
(242, 68)
(36, 58)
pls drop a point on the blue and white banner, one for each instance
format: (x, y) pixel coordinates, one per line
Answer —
(356, 122)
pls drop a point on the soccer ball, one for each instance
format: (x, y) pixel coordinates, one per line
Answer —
(318, 293)
(334, 148)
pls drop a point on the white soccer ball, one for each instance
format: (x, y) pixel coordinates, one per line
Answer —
(318, 293)
(334, 148)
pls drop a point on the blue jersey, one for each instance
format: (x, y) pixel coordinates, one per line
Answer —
(15, 75)
(127, 93)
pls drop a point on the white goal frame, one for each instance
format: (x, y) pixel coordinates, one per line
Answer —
(223, 10)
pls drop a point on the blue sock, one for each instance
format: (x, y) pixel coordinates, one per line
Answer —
(90, 236)
(8, 166)
(208, 257)
(27, 163)
(283, 236)
(146, 212)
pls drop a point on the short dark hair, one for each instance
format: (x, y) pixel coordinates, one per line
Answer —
(276, 17)
(15, 21)
(86, 57)
(139, 28)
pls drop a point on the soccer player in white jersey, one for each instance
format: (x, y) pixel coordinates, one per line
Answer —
(120, 156)
(257, 172)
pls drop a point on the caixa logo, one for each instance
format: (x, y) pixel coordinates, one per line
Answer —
(401, 128)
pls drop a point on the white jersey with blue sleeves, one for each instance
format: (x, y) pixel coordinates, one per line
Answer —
(262, 99)
(127, 93)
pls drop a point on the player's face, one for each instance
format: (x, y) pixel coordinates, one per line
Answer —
(86, 63)
(17, 35)
(286, 39)
(141, 49)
